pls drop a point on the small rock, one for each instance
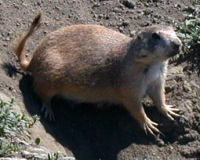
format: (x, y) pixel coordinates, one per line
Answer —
(178, 79)
(187, 68)
(147, 12)
(15, 5)
(100, 16)
(46, 23)
(186, 87)
(96, 5)
(160, 142)
(188, 105)
(120, 29)
(10, 88)
(128, 3)
(106, 17)
(169, 89)
(146, 4)
(125, 24)
(95, 15)
(171, 147)
(177, 6)
(117, 10)
(133, 33)
(5, 44)
(7, 38)
(17, 24)
(56, 7)
(37, 4)
(144, 24)
(138, 3)
(57, 18)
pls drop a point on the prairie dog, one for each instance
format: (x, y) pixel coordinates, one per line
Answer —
(92, 63)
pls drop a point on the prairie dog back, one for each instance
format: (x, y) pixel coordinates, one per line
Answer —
(92, 63)
(80, 54)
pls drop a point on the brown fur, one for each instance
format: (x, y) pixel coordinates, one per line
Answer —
(92, 63)
(19, 50)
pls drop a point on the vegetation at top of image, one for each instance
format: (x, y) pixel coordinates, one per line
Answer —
(189, 33)
(11, 125)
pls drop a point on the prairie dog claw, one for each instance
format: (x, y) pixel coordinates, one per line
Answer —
(169, 111)
(150, 126)
(48, 112)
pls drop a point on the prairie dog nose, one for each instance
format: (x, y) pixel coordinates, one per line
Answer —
(177, 45)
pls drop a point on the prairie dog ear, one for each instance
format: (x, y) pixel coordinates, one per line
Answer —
(140, 36)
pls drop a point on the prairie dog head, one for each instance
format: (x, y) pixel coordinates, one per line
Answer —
(156, 43)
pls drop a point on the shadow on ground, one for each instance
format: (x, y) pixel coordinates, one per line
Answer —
(92, 132)
(192, 58)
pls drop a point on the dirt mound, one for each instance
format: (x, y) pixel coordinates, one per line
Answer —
(87, 131)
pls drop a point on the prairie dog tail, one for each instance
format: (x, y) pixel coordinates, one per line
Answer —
(20, 47)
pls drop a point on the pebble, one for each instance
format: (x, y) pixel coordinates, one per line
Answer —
(178, 79)
(10, 88)
(133, 33)
(5, 45)
(7, 38)
(58, 8)
(144, 24)
(125, 23)
(169, 89)
(160, 142)
(17, 24)
(177, 6)
(147, 12)
(96, 5)
(128, 3)
(120, 29)
(186, 87)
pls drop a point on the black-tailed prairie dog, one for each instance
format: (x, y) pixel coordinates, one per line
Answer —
(92, 63)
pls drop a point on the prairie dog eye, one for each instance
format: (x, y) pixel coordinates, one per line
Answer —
(156, 36)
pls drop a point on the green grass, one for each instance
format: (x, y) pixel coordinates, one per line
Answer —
(189, 33)
(8, 148)
(11, 125)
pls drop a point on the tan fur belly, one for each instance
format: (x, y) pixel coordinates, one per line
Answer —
(90, 94)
